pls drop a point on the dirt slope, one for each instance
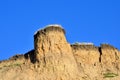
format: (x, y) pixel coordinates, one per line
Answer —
(53, 58)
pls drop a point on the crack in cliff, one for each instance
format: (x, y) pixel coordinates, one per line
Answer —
(100, 51)
(116, 56)
(44, 56)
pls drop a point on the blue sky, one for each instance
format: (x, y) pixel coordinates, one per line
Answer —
(96, 21)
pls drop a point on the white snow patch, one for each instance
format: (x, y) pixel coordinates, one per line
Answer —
(55, 25)
(83, 43)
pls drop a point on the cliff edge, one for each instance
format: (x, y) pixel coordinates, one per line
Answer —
(53, 58)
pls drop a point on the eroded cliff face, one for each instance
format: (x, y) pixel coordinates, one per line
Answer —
(96, 62)
(87, 58)
(54, 53)
(53, 58)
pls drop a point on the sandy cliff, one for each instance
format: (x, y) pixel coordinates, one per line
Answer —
(53, 58)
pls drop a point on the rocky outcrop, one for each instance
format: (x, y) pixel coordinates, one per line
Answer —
(86, 54)
(54, 53)
(53, 58)
(109, 54)
(87, 57)
(94, 62)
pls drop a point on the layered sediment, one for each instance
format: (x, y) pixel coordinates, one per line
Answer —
(52, 51)
(53, 58)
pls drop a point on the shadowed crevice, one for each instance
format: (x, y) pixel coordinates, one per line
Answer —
(100, 51)
(30, 55)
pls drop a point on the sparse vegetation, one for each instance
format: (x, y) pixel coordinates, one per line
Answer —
(11, 65)
(16, 64)
(110, 75)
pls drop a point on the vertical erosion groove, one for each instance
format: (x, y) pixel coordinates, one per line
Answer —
(100, 51)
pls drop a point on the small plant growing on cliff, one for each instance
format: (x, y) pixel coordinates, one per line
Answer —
(11, 65)
(110, 75)
(17, 64)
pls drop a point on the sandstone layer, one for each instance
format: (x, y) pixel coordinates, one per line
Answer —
(53, 58)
